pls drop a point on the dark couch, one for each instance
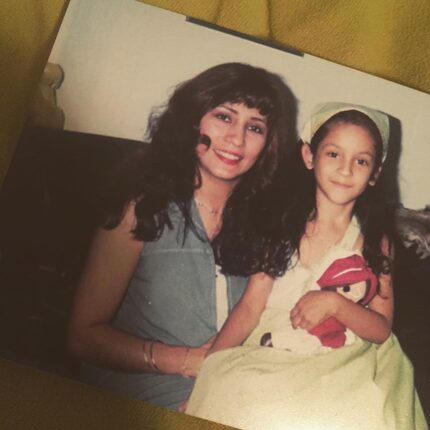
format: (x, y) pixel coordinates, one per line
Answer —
(49, 207)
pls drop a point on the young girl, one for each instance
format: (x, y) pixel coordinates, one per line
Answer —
(344, 146)
(339, 219)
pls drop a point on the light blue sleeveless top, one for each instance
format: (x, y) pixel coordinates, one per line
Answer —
(171, 298)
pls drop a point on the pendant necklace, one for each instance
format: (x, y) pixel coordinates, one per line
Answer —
(207, 208)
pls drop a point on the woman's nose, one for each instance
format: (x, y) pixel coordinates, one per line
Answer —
(236, 134)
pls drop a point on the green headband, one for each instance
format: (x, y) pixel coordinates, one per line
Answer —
(324, 111)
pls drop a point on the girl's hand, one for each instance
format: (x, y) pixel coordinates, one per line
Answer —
(194, 358)
(207, 345)
(313, 308)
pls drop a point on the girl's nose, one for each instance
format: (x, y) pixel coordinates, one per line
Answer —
(345, 167)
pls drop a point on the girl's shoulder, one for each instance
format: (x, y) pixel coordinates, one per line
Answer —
(351, 243)
(353, 238)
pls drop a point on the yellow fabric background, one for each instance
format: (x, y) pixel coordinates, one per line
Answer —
(388, 38)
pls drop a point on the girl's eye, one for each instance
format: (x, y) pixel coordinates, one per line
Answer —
(362, 162)
(332, 154)
(256, 129)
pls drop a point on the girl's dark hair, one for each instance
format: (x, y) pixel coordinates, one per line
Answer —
(167, 170)
(371, 210)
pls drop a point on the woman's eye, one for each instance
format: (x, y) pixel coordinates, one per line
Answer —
(223, 117)
(256, 129)
(332, 154)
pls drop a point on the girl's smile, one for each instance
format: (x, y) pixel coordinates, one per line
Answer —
(341, 185)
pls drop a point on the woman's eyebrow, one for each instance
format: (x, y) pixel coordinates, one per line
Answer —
(230, 109)
(254, 118)
(258, 118)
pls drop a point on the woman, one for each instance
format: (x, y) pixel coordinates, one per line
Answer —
(151, 297)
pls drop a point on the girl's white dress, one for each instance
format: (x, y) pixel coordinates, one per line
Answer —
(358, 386)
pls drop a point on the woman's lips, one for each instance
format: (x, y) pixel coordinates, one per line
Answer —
(227, 157)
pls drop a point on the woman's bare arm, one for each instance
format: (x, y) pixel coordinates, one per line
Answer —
(246, 314)
(112, 260)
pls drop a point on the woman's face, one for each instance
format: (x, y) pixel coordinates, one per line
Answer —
(237, 136)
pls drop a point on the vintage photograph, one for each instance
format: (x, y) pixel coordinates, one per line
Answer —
(219, 226)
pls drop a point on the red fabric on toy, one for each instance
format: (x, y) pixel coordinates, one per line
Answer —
(343, 271)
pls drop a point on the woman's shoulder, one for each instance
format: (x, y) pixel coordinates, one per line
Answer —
(129, 220)
(123, 233)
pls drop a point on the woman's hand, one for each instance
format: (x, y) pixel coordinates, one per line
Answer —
(183, 407)
(314, 308)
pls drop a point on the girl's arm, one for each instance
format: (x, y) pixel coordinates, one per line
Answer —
(246, 314)
(243, 318)
(372, 323)
(112, 260)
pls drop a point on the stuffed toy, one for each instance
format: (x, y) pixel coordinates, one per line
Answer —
(352, 278)
(349, 276)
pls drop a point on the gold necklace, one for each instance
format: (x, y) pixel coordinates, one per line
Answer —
(207, 208)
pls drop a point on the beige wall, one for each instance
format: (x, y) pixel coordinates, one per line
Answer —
(121, 58)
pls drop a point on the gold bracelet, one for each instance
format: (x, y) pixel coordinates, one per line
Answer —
(152, 358)
(145, 355)
(184, 368)
(192, 362)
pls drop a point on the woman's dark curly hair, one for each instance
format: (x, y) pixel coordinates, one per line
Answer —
(371, 210)
(167, 171)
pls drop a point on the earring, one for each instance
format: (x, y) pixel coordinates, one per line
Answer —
(374, 179)
(309, 165)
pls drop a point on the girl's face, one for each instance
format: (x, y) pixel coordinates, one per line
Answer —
(238, 135)
(344, 163)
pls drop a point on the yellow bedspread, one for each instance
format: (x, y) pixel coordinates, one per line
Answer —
(361, 386)
(389, 38)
